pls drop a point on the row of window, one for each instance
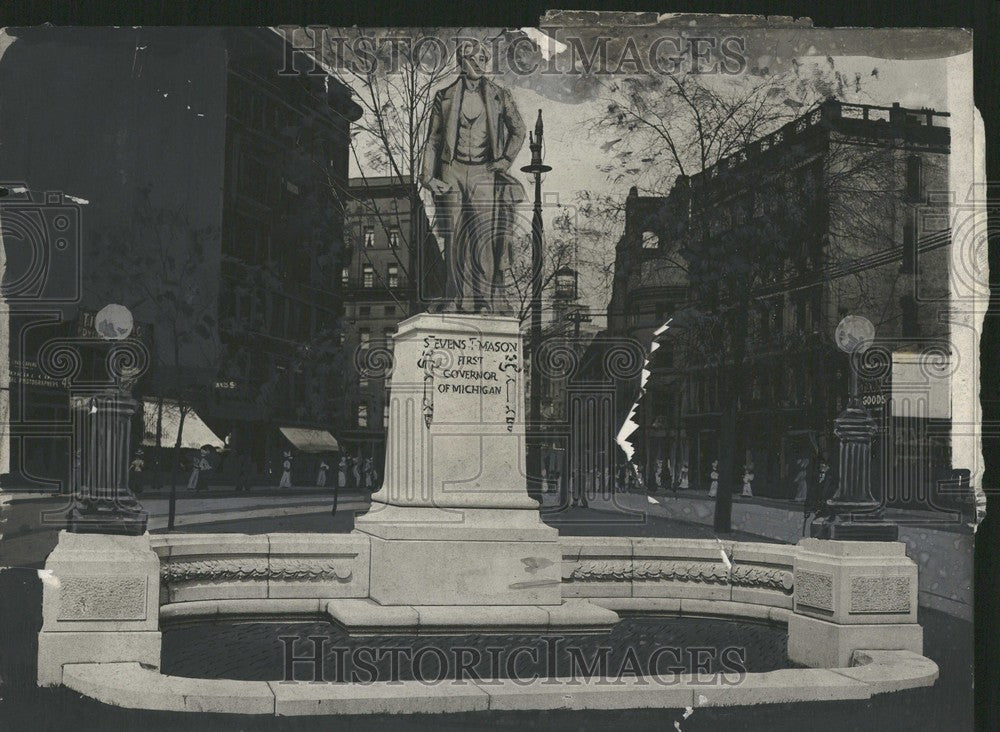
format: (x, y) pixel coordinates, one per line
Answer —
(392, 235)
(280, 316)
(777, 386)
(363, 415)
(368, 276)
(365, 311)
(256, 108)
(365, 336)
(246, 373)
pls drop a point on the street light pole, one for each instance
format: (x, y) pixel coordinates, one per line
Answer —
(536, 168)
(853, 513)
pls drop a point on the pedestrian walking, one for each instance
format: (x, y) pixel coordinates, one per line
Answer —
(321, 476)
(340, 483)
(200, 466)
(371, 477)
(821, 488)
(135, 472)
(713, 486)
(801, 478)
(192, 483)
(242, 471)
(286, 471)
(748, 480)
(578, 489)
(683, 483)
(342, 473)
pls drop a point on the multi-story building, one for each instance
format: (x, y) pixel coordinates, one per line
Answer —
(286, 153)
(392, 268)
(833, 214)
(195, 179)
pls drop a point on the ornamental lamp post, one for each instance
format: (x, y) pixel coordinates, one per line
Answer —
(102, 427)
(536, 168)
(852, 513)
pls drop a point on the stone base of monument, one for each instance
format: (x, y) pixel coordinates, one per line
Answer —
(100, 602)
(471, 556)
(367, 617)
(821, 644)
(850, 596)
(854, 530)
(124, 516)
(456, 542)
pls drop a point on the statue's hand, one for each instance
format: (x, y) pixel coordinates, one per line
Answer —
(499, 166)
(437, 186)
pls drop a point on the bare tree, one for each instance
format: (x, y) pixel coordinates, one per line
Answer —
(674, 128)
(154, 264)
(394, 80)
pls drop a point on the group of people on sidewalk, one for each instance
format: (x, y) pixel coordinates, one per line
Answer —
(814, 487)
(352, 473)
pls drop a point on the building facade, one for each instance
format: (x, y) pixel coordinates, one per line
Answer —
(756, 259)
(178, 188)
(391, 269)
(283, 231)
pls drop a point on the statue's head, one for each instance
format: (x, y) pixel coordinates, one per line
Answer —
(473, 58)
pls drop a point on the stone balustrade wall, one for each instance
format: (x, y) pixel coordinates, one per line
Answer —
(850, 609)
(198, 567)
(210, 567)
(599, 567)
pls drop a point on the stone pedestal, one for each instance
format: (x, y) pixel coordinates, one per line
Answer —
(100, 603)
(452, 524)
(850, 596)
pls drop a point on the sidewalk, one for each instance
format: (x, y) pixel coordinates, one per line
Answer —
(227, 490)
(30, 522)
(199, 510)
(627, 514)
(943, 550)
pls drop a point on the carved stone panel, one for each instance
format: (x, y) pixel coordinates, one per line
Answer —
(102, 598)
(814, 589)
(880, 594)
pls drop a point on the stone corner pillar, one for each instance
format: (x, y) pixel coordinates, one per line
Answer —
(851, 596)
(100, 603)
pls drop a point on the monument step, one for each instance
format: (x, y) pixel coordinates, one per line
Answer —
(367, 617)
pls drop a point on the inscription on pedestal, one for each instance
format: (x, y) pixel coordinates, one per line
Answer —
(102, 598)
(471, 366)
(880, 595)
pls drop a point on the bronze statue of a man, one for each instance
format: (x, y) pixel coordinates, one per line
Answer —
(474, 134)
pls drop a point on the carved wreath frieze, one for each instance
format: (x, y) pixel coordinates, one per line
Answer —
(707, 572)
(222, 570)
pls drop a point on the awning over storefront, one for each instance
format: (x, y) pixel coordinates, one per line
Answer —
(195, 432)
(306, 440)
